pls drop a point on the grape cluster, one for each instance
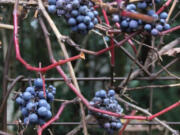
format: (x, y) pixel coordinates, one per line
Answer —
(106, 101)
(79, 14)
(35, 108)
(145, 7)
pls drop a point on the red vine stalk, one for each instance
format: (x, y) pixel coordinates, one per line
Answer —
(125, 125)
(41, 128)
(170, 30)
(28, 66)
(164, 110)
(111, 40)
(164, 6)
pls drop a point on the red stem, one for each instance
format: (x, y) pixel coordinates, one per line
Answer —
(125, 125)
(164, 6)
(164, 110)
(41, 128)
(132, 45)
(111, 40)
(170, 30)
(18, 55)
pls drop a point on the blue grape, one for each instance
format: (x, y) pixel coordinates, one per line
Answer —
(115, 18)
(106, 101)
(50, 96)
(142, 5)
(49, 114)
(118, 125)
(75, 3)
(154, 32)
(38, 83)
(87, 19)
(147, 27)
(97, 100)
(42, 102)
(111, 93)
(130, 7)
(124, 24)
(90, 14)
(52, 2)
(24, 111)
(33, 118)
(113, 124)
(30, 106)
(151, 12)
(60, 12)
(95, 13)
(159, 27)
(82, 26)
(20, 101)
(155, 16)
(52, 9)
(26, 96)
(102, 93)
(95, 21)
(31, 90)
(163, 15)
(80, 18)
(133, 24)
(68, 7)
(167, 26)
(107, 125)
(74, 13)
(91, 25)
(60, 3)
(83, 9)
(26, 120)
(42, 111)
(41, 94)
(162, 21)
(97, 94)
(71, 21)
(48, 107)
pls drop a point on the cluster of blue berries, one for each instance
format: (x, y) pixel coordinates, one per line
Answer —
(35, 107)
(145, 7)
(80, 14)
(107, 101)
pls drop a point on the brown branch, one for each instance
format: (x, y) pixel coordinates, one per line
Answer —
(9, 90)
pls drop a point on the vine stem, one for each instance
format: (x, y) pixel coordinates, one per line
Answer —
(164, 6)
(125, 125)
(170, 30)
(18, 55)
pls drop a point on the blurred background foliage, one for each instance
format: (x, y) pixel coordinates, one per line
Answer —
(33, 50)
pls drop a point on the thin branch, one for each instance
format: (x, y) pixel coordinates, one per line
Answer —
(148, 113)
(6, 26)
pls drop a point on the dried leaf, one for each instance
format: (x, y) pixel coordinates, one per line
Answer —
(172, 52)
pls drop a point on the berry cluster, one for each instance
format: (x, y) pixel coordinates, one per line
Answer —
(145, 7)
(79, 14)
(35, 108)
(107, 101)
